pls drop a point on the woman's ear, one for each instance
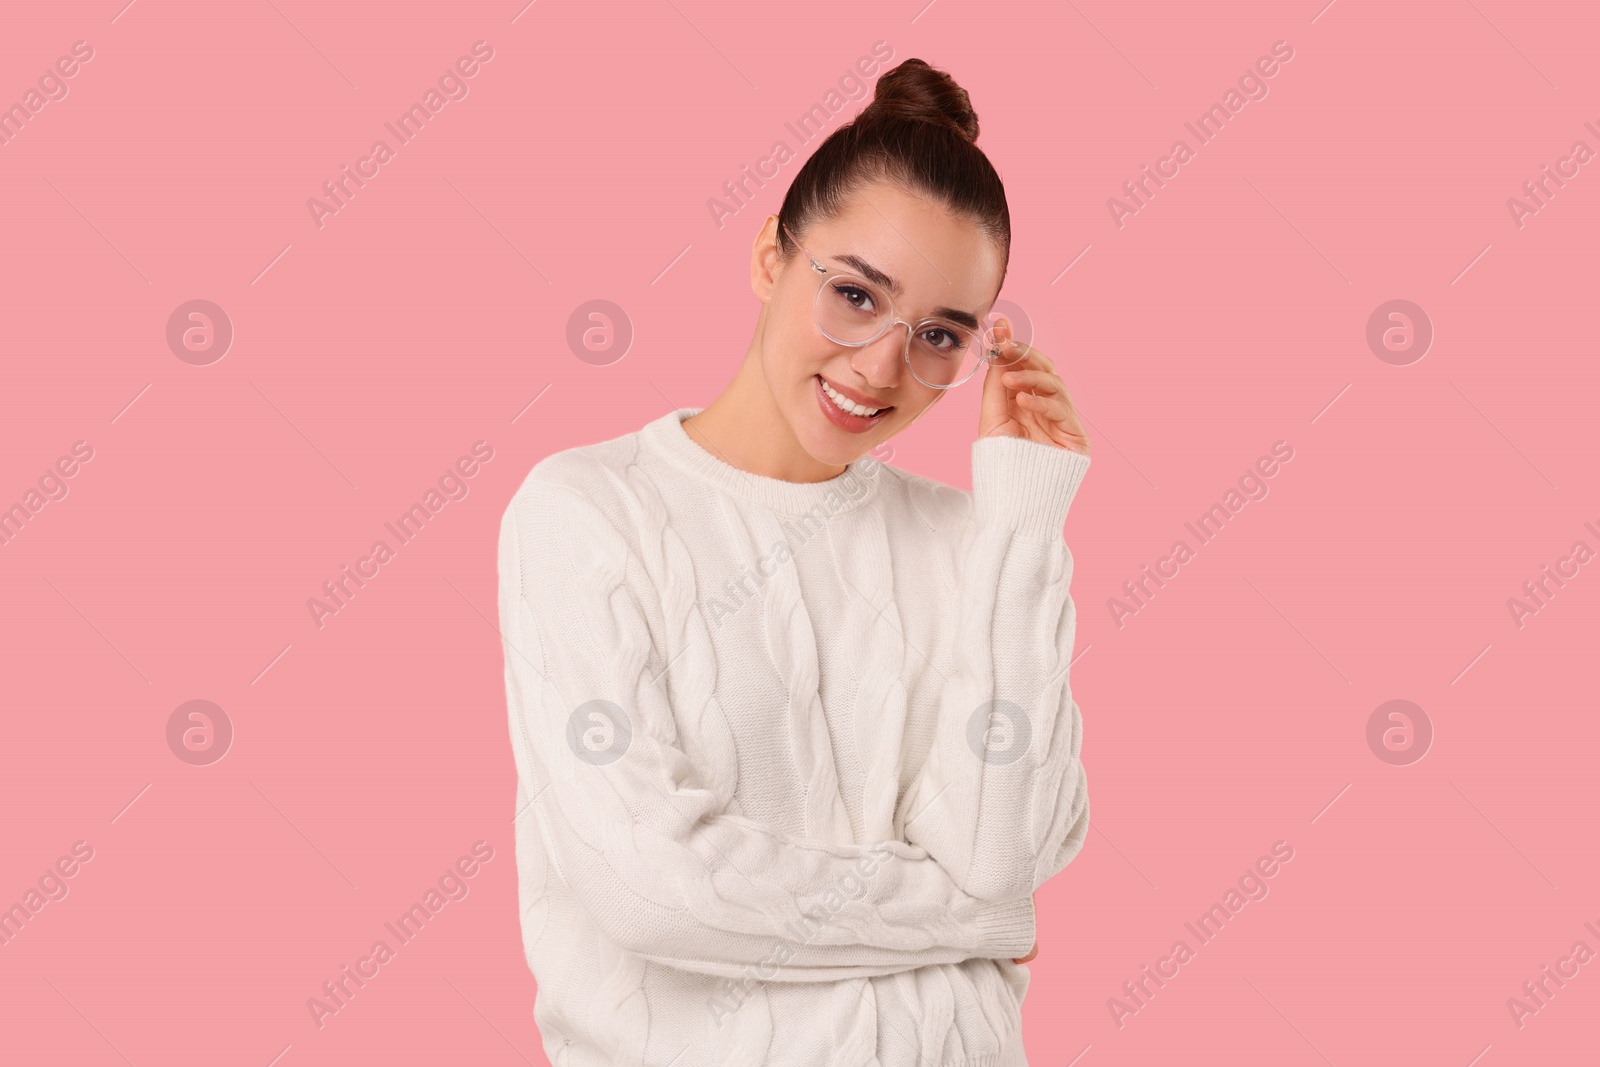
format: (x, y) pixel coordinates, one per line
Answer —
(766, 264)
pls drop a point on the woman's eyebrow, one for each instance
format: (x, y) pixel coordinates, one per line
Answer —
(873, 274)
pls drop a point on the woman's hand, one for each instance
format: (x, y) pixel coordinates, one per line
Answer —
(1027, 398)
(1034, 951)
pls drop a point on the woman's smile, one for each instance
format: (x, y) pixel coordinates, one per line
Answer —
(844, 410)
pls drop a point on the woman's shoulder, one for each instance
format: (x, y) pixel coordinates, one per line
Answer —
(585, 485)
(585, 469)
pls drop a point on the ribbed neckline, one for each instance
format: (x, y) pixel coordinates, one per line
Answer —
(667, 438)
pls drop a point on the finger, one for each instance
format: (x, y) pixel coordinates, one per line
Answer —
(1014, 351)
(1047, 406)
(992, 408)
(1006, 350)
(1051, 410)
(1002, 329)
(1035, 381)
(1057, 419)
(1018, 355)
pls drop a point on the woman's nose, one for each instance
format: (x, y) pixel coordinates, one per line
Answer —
(881, 362)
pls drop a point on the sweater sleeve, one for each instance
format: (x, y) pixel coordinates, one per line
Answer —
(635, 819)
(1002, 800)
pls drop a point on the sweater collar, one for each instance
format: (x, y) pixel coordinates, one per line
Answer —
(667, 438)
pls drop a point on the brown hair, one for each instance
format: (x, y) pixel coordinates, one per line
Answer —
(919, 131)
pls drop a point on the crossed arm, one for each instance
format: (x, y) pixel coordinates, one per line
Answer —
(637, 822)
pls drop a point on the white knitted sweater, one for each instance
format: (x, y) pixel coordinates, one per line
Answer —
(791, 757)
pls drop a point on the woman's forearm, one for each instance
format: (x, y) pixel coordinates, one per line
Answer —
(1002, 800)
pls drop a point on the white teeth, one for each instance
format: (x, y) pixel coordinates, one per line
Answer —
(845, 403)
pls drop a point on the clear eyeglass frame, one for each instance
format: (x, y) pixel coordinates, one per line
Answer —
(983, 338)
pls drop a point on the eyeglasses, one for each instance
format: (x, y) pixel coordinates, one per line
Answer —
(850, 310)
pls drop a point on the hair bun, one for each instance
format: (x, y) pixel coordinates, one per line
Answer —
(921, 93)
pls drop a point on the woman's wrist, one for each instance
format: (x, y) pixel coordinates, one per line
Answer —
(1006, 928)
(1025, 485)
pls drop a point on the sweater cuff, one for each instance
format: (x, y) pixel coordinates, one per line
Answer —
(1006, 930)
(1025, 485)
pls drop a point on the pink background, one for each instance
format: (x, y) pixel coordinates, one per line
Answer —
(429, 313)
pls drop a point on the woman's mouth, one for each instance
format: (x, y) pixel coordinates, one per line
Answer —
(844, 412)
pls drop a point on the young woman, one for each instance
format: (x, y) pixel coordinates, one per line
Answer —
(793, 734)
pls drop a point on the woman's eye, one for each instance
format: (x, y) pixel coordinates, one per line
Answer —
(856, 297)
(943, 339)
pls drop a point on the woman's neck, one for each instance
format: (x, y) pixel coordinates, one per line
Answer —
(745, 428)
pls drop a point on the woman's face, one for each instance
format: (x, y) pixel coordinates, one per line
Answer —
(937, 259)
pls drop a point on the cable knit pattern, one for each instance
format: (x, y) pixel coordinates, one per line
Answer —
(762, 817)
